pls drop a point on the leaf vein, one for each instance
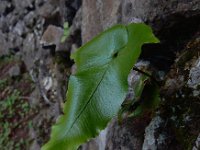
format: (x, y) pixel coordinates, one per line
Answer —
(88, 100)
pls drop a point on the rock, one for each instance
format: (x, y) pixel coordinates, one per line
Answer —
(39, 3)
(52, 36)
(47, 10)
(33, 135)
(76, 4)
(197, 144)
(70, 10)
(38, 30)
(151, 141)
(14, 42)
(77, 22)
(127, 135)
(34, 146)
(3, 6)
(97, 16)
(23, 4)
(14, 71)
(11, 20)
(3, 24)
(194, 75)
(149, 11)
(30, 19)
(133, 78)
(47, 83)
(30, 38)
(20, 28)
(35, 98)
(29, 51)
(4, 48)
(99, 143)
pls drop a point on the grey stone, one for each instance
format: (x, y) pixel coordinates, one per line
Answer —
(77, 22)
(29, 51)
(20, 28)
(27, 47)
(33, 135)
(194, 78)
(39, 2)
(47, 83)
(34, 146)
(11, 20)
(30, 18)
(14, 71)
(4, 47)
(14, 41)
(52, 36)
(35, 97)
(98, 16)
(72, 43)
(153, 11)
(3, 6)
(134, 77)
(47, 10)
(150, 139)
(23, 4)
(197, 143)
(38, 30)
(98, 143)
(126, 135)
(3, 24)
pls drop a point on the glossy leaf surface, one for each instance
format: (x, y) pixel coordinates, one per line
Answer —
(97, 90)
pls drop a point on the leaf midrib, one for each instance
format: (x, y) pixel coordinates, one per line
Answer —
(93, 91)
(88, 101)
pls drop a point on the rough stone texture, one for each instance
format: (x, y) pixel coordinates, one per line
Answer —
(4, 47)
(14, 71)
(128, 135)
(52, 36)
(194, 78)
(28, 54)
(197, 143)
(48, 10)
(157, 136)
(160, 14)
(150, 140)
(97, 143)
(97, 16)
(3, 7)
(148, 11)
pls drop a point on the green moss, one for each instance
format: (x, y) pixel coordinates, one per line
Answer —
(15, 111)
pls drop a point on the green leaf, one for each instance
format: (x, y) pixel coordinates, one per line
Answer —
(151, 100)
(130, 106)
(97, 90)
(66, 32)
